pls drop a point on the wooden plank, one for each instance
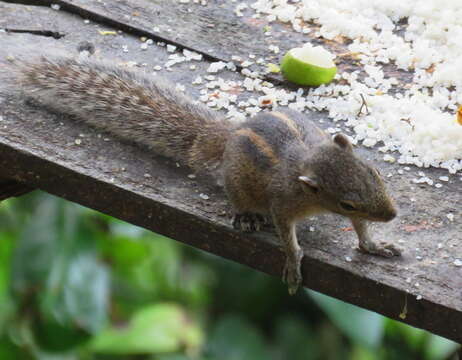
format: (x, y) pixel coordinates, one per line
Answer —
(39, 149)
(11, 188)
(213, 30)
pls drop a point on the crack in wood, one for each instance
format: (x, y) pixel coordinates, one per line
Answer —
(102, 19)
(105, 20)
(48, 33)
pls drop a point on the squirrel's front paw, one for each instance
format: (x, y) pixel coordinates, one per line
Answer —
(384, 249)
(248, 222)
(292, 274)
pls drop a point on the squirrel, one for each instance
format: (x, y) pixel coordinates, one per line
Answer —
(276, 165)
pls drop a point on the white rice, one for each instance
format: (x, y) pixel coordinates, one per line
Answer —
(419, 122)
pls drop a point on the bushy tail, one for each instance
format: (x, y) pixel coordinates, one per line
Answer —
(139, 107)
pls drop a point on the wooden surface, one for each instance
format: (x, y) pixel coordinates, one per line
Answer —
(39, 149)
(10, 188)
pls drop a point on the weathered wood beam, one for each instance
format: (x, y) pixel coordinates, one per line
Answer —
(11, 188)
(40, 149)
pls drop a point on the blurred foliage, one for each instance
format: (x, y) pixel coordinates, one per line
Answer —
(78, 285)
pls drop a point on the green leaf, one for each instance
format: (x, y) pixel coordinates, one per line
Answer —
(119, 227)
(10, 351)
(294, 337)
(57, 273)
(37, 246)
(432, 347)
(77, 308)
(86, 292)
(360, 353)
(439, 348)
(234, 338)
(159, 328)
(361, 326)
(151, 268)
(6, 305)
(14, 211)
(174, 357)
(414, 338)
(146, 268)
(53, 336)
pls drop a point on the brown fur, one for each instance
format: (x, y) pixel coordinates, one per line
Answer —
(260, 143)
(291, 126)
(273, 188)
(130, 105)
(279, 164)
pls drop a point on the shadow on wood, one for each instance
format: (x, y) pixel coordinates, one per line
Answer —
(11, 188)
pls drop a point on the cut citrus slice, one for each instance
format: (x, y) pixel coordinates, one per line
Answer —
(308, 65)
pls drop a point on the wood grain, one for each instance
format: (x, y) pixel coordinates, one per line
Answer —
(39, 149)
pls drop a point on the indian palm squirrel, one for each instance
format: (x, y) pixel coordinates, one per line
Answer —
(276, 164)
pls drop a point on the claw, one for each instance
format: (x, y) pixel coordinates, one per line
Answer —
(392, 249)
(384, 249)
(248, 222)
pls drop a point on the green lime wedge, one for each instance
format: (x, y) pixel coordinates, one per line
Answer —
(308, 65)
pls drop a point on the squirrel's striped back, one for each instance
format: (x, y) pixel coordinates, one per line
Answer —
(267, 136)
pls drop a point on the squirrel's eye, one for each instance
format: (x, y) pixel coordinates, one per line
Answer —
(347, 206)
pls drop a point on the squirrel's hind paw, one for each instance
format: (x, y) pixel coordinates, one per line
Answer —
(249, 222)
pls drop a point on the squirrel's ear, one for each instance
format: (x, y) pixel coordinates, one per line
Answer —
(309, 183)
(342, 141)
